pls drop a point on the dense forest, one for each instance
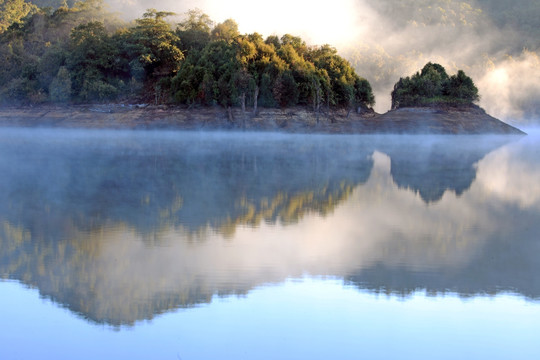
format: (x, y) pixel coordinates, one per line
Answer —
(82, 54)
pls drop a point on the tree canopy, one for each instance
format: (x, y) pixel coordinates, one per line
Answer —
(247, 70)
(74, 55)
(13, 11)
(432, 85)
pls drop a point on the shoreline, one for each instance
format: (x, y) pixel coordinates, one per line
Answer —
(425, 120)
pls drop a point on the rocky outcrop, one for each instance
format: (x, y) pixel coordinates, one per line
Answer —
(437, 120)
(469, 119)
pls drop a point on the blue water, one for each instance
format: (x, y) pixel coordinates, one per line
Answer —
(137, 245)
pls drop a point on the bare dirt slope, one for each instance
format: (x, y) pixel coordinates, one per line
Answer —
(468, 120)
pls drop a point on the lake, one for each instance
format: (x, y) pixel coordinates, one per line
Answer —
(188, 245)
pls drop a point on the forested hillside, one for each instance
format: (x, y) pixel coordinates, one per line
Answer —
(522, 17)
(83, 54)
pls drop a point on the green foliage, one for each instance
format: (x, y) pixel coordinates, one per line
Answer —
(432, 85)
(153, 43)
(286, 91)
(206, 77)
(247, 70)
(346, 87)
(91, 61)
(194, 31)
(13, 11)
(72, 54)
(94, 89)
(35, 49)
(226, 31)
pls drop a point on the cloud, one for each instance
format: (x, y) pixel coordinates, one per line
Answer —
(512, 178)
(510, 87)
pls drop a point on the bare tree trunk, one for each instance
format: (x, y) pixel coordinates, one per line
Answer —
(229, 112)
(243, 101)
(318, 103)
(255, 99)
(158, 94)
(328, 114)
(328, 101)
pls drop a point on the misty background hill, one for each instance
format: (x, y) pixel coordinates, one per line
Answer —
(495, 41)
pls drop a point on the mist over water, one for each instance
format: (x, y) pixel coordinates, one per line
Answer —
(92, 219)
(386, 40)
(206, 242)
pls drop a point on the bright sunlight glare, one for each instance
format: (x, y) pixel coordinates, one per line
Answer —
(316, 21)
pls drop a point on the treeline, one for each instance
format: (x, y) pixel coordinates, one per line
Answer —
(80, 54)
(432, 86)
(224, 67)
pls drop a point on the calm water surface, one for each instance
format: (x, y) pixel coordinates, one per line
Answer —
(170, 245)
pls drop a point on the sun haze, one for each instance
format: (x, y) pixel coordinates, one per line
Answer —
(317, 21)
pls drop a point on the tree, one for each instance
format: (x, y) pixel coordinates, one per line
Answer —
(433, 79)
(246, 53)
(432, 85)
(153, 47)
(34, 48)
(208, 73)
(363, 93)
(194, 31)
(286, 90)
(226, 31)
(91, 61)
(296, 42)
(264, 68)
(345, 87)
(460, 86)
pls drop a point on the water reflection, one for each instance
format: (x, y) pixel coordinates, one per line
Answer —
(120, 227)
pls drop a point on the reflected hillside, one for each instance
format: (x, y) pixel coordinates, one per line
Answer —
(120, 227)
(430, 166)
(506, 262)
(484, 242)
(150, 182)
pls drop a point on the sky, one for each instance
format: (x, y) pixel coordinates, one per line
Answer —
(317, 21)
